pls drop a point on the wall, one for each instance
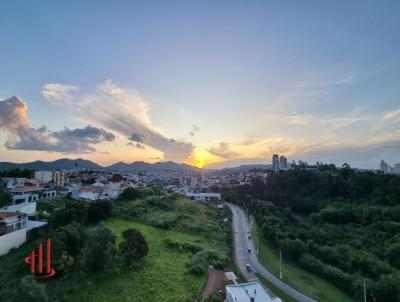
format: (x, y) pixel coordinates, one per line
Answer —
(10, 240)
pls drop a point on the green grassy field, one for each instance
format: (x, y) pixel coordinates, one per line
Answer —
(297, 277)
(162, 277)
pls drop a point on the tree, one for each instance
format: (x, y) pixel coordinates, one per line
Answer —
(69, 238)
(130, 194)
(117, 178)
(394, 255)
(5, 199)
(134, 247)
(100, 247)
(99, 210)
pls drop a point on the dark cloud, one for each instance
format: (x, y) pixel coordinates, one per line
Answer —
(89, 134)
(65, 141)
(137, 137)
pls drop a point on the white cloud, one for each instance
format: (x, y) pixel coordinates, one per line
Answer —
(120, 110)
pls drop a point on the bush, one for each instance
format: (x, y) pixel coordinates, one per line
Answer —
(100, 247)
(184, 246)
(99, 211)
(134, 247)
(130, 194)
(200, 261)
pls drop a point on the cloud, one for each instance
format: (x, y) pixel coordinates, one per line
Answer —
(120, 110)
(194, 130)
(136, 137)
(223, 150)
(13, 119)
(136, 145)
(13, 114)
(58, 93)
(64, 141)
(89, 135)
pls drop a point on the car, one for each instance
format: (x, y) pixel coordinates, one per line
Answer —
(249, 250)
(249, 237)
(248, 267)
(236, 231)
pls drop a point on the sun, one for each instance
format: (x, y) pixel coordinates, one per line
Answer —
(202, 158)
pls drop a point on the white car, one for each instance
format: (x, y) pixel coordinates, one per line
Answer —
(236, 231)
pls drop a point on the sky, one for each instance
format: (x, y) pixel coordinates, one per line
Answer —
(209, 83)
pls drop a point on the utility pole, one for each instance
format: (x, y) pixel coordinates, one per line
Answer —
(365, 291)
(280, 264)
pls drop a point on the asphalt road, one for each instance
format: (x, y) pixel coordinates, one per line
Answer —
(242, 244)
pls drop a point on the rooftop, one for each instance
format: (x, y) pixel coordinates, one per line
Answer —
(245, 291)
(26, 189)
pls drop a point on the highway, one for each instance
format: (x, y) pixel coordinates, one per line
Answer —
(242, 257)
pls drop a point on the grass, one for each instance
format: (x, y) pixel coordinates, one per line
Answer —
(50, 205)
(299, 278)
(275, 290)
(162, 277)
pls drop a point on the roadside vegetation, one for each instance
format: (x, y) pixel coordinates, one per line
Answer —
(154, 247)
(340, 225)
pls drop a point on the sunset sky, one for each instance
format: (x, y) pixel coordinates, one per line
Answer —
(210, 83)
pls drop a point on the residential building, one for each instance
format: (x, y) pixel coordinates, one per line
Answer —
(30, 193)
(249, 292)
(55, 178)
(275, 163)
(12, 230)
(283, 163)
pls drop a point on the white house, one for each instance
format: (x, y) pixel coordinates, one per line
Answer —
(28, 208)
(12, 230)
(249, 292)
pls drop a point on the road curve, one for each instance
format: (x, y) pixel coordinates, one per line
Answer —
(241, 226)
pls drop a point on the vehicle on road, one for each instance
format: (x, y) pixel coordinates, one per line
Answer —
(249, 250)
(249, 237)
(236, 231)
(248, 267)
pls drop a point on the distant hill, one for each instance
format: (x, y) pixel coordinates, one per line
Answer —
(63, 163)
(70, 164)
(143, 166)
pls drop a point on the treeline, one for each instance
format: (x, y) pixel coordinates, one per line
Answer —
(26, 173)
(340, 224)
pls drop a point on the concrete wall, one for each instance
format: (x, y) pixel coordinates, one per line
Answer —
(10, 240)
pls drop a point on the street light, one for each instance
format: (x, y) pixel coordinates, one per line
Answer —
(280, 264)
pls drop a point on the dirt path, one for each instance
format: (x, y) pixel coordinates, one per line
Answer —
(216, 280)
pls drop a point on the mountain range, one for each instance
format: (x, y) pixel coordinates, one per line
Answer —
(79, 163)
(70, 164)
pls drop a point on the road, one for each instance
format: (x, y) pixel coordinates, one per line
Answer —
(242, 244)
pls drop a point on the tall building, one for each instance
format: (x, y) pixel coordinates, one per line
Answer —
(384, 167)
(396, 169)
(283, 162)
(275, 163)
